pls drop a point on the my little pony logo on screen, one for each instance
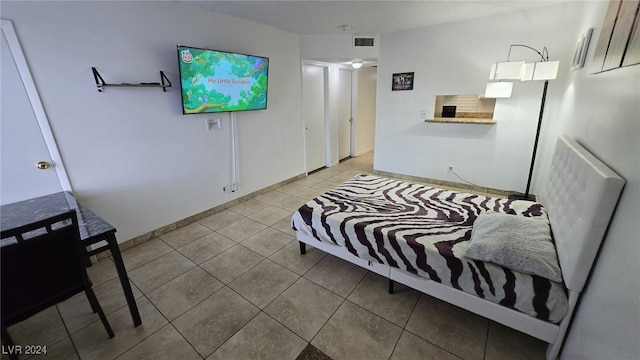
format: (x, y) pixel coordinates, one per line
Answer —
(186, 56)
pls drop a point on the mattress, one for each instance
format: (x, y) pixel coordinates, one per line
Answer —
(424, 231)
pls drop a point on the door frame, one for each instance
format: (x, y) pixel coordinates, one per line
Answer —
(351, 109)
(36, 103)
(327, 133)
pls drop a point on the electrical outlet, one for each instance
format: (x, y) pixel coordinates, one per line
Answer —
(450, 168)
(213, 124)
(423, 114)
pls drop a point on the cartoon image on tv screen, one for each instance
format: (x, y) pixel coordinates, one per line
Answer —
(216, 81)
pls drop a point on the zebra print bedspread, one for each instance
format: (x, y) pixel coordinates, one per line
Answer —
(424, 231)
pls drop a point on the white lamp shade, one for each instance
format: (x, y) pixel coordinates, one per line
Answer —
(547, 70)
(509, 70)
(498, 90)
(527, 71)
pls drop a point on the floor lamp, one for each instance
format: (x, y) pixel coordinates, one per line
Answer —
(519, 70)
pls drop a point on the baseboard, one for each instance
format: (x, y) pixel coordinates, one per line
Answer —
(446, 184)
(199, 216)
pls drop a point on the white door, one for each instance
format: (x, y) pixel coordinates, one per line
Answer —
(22, 139)
(313, 107)
(345, 119)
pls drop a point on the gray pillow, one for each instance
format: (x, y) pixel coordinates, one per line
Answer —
(516, 242)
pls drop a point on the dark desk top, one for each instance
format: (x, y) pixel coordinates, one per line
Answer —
(92, 227)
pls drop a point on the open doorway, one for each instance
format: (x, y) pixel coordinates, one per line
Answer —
(339, 107)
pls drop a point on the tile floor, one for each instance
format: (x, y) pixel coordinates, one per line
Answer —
(234, 286)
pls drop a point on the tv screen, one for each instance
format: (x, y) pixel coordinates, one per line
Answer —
(219, 81)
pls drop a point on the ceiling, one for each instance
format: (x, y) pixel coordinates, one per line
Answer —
(362, 17)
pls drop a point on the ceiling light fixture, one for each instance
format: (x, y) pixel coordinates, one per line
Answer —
(357, 63)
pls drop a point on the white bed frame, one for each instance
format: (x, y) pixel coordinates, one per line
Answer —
(580, 197)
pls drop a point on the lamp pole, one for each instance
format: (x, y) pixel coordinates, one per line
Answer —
(542, 70)
(535, 143)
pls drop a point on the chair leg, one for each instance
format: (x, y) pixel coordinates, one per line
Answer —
(95, 305)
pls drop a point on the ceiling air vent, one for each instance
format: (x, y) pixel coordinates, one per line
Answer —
(364, 41)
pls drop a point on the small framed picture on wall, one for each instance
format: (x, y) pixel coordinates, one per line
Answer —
(402, 81)
(580, 53)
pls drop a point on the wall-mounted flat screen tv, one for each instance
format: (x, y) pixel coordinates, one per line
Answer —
(219, 81)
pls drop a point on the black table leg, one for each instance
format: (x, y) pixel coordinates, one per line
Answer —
(124, 279)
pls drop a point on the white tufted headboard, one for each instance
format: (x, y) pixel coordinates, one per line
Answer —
(580, 197)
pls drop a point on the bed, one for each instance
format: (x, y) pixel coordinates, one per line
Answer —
(522, 264)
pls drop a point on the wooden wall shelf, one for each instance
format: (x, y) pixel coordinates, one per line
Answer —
(461, 120)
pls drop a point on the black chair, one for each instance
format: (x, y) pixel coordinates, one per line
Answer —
(43, 263)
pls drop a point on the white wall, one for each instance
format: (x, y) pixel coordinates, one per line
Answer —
(600, 111)
(131, 155)
(454, 59)
(334, 47)
(365, 108)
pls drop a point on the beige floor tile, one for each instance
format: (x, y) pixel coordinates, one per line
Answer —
(221, 219)
(43, 328)
(102, 271)
(284, 225)
(145, 252)
(504, 343)
(310, 193)
(206, 247)
(62, 350)
(292, 189)
(307, 181)
(166, 344)
(290, 257)
(447, 326)
(272, 197)
(76, 311)
(212, 322)
(249, 207)
(268, 241)
(185, 235)
(321, 175)
(339, 179)
(232, 263)
(324, 186)
(242, 230)
(354, 333)
(160, 271)
(304, 308)
(92, 342)
(372, 294)
(411, 347)
(335, 274)
(184, 292)
(262, 338)
(292, 203)
(263, 283)
(270, 215)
